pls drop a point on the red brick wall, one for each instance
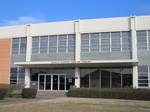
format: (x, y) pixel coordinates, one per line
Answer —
(5, 46)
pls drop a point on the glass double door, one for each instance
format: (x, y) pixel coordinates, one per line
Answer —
(52, 82)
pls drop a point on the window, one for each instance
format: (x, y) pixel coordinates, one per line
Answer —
(23, 42)
(62, 41)
(85, 43)
(106, 77)
(19, 46)
(105, 42)
(94, 42)
(71, 43)
(141, 40)
(13, 76)
(149, 39)
(17, 75)
(126, 41)
(15, 46)
(143, 76)
(35, 45)
(127, 77)
(115, 41)
(43, 44)
(21, 75)
(53, 44)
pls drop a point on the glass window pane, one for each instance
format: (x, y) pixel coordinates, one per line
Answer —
(116, 78)
(115, 41)
(94, 78)
(105, 42)
(15, 46)
(94, 44)
(149, 38)
(13, 75)
(84, 75)
(43, 44)
(141, 40)
(126, 77)
(105, 79)
(71, 43)
(143, 76)
(53, 44)
(62, 41)
(23, 43)
(35, 45)
(126, 41)
(84, 42)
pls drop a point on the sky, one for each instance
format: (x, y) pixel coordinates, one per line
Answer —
(13, 12)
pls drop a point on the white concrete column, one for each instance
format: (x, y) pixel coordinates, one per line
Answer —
(27, 77)
(29, 44)
(135, 76)
(133, 38)
(77, 77)
(134, 50)
(78, 40)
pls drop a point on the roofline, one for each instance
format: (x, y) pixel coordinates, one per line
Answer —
(51, 22)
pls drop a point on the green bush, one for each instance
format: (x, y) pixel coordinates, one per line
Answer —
(10, 90)
(3, 92)
(14, 91)
(29, 93)
(114, 93)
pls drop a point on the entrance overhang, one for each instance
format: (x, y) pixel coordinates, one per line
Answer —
(86, 63)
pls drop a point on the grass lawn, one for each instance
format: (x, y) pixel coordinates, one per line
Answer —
(78, 105)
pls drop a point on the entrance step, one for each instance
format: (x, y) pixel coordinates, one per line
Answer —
(51, 94)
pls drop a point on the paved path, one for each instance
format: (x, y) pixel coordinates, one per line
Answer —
(13, 102)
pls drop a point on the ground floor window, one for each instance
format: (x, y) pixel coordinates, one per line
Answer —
(17, 75)
(106, 77)
(143, 76)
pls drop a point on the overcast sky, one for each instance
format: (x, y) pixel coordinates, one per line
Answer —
(35, 11)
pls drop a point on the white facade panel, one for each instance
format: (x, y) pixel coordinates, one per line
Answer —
(104, 25)
(68, 27)
(13, 31)
(143, 22)
(54, 28)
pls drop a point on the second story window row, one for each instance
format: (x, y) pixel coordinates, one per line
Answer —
(53, 44)
(143, 40)
(106, 42)
(19, 46)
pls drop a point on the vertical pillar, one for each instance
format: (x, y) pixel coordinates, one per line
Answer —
(135, 76)
(134, 50)
(133, 38)
(77, 77)
(28, 56)
(29, 44)
(27, 77)
(77, 41)
(149, 76)
(77, 52)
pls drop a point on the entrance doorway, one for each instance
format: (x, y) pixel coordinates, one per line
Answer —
(52, 82)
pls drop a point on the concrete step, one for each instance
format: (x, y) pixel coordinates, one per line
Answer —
(50, 94)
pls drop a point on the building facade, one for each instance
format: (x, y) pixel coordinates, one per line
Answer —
(95, 53)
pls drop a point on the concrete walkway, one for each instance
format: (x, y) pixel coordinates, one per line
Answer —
(20, 101)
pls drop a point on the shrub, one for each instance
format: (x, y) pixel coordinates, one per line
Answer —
(29, 93)
(3, 92)
(14, 91)
(114, 93)
(10, 90)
